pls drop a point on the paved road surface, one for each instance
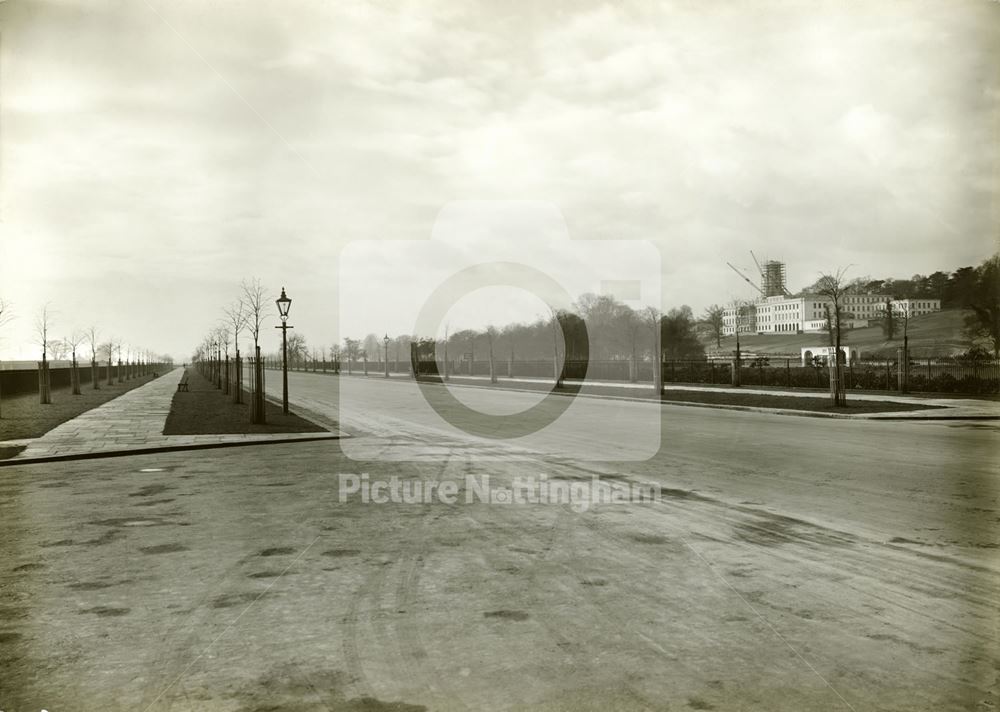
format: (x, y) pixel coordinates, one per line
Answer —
(792, 564)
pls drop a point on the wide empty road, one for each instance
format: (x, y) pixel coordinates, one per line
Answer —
(791, 564)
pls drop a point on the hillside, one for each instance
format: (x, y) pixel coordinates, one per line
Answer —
(931, 335)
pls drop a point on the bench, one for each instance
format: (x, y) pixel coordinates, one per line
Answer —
(183, 385)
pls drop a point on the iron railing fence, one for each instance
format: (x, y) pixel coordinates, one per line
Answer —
(925, 375)
(21, 381)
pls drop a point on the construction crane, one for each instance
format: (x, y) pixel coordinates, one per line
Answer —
(745, 278)
(757, 262)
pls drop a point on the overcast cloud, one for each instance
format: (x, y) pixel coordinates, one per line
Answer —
(152, 154)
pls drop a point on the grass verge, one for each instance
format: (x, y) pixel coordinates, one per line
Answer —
(817, 404)
(206, 410)
(22, 416)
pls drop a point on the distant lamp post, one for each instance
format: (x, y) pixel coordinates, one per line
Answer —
(284, 304)
(385, 341)
(738, 365)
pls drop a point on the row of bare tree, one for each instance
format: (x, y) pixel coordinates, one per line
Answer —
(219, 355)
(129, 358)
(598, 327)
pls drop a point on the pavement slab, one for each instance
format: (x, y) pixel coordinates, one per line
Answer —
(133, 422)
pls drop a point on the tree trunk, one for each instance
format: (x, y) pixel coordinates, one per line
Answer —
(658, 360)
(44, 384)
(837, 373)
(74, 377)
(238, 378)
(737, 366)
(260, 413)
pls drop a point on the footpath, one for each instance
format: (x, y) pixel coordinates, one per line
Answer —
(131, 424)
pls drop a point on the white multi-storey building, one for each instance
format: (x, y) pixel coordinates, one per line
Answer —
(805, 314)
(785, 315)
(915, 307)
(744, 316)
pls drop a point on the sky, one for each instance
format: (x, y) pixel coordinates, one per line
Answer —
(153, 154)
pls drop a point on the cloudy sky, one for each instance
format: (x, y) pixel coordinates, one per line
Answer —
(154, 153)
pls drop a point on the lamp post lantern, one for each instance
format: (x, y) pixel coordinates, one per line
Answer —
(385, 341)
(284, 304)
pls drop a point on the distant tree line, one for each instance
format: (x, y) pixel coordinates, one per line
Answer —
(955, 289)
(598, 327)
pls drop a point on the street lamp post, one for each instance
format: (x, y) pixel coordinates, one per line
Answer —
(284, 304)
(738, 367)
(386, 358)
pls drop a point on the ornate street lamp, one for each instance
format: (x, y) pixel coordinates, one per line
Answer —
(386, 342)
(284, 304)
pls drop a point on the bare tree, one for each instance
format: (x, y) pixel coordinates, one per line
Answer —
(744, 317)
(712, 319)
(73, 343)
(116, 347)
(94, 350)
(371, 346)
(254, 298)
(631, 325)
(901, 315)
(445, 375)
(57, 349)
(983, 298)
(108, 349)
(491, 336)
(43, 324)
(834, 288)
(557, 332)
(352, 348)
(889, 321)
(253, 301)
(236, 318)
(298, 352)
(654, 320)
(224, 335)
(510, 333)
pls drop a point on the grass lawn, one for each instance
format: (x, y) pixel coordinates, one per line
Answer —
(22, 416)
(930, 335)
(206, 410)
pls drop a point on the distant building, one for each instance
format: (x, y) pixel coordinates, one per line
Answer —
(915, 307)
(776, 315)
(824, 353)
(744, 316)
